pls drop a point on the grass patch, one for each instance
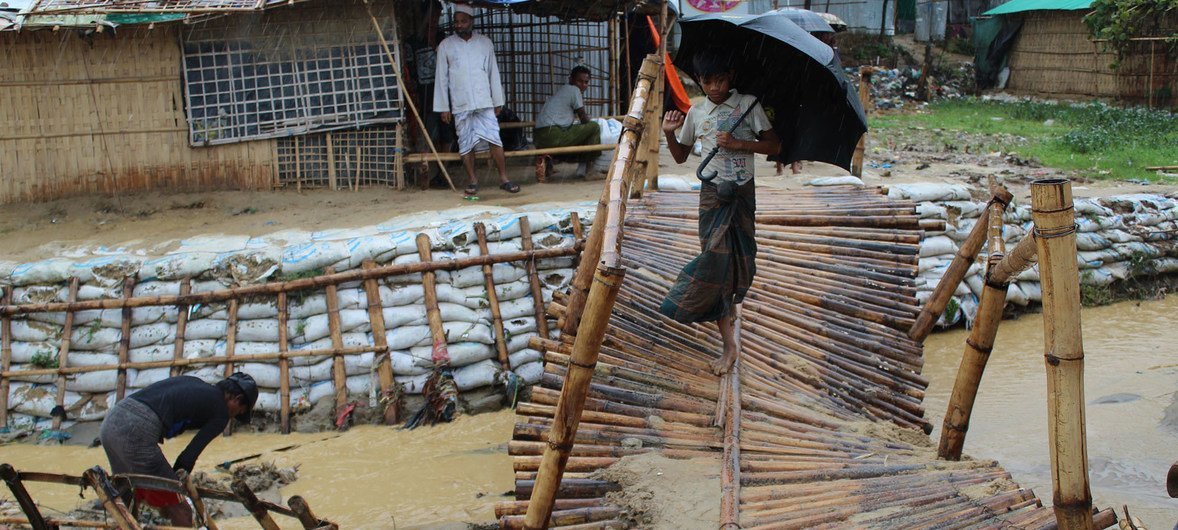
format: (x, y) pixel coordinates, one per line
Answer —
(1095, 140)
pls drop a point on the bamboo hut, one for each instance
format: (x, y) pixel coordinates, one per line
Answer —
(1053, 54)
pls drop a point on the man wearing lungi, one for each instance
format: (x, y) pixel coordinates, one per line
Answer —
(710, 286)
(467, 92)
(133, 429)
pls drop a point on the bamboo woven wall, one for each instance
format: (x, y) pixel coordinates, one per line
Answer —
(1055, 56)
(104, 114)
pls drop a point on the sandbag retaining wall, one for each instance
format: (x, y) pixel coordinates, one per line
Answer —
(217, 263)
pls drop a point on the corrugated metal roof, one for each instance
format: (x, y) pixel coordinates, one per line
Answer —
(1019, 6)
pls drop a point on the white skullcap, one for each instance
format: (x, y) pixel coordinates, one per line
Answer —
(463, 8)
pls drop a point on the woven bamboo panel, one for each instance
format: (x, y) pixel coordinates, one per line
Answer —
(358, 158)
(104, 114)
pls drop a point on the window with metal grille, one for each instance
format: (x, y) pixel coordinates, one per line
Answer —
(288, 72)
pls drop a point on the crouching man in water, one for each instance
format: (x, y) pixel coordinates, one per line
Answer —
(134, 428)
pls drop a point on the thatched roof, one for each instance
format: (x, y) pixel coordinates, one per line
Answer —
(575, 9)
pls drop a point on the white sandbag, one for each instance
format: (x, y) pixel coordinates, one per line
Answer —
(467, 277)
(410, 315)
(258, 330)
(358, 384)
(268, 401)
(23, 352)
(306, 306)
(522, 306)
(149, 334)
(452, 234)
(1016, 296)
(92, 359)
(406, 364)
(412, 384)
(243, 349)
(1119, 236)
(921, 192)
(246, 267)
(467, 332)
(42, 378)
(177, 266)
(563, 262)
(968, 306)
(257, 310)
(550, 240)
(378, 247)
(519, 326)
(201, 348)
(147, 315)
(524, 356)
(517, 343)
(57, 318)
(976, 285)
(1096, 258)
(451, 312)
(465, 297)
(405, 337)
(937, 246)
(1096, 224)
(208, 374)
(93, 338)
(1138, 202)
(1090, 208)
(314, 255)
(401, 295)
(266, 375)
(148, 377)
(530, 373)
(54, 270)
(513, 291)
(101, 381)
(153, 353)
(205, 329)
(351, 298)
(209, 286)
(156, 288)
(32, 331)
(38, 294)
(476, 375)
(1096, 277)
(556, 279)
(305, 375)
(679, 183)
(504, 247)
(508, 227)
(965, 209)
(847, 180)
(961, 232)
(106, 271)
(461, 353)
(1033, 290)
(931, 210)
(405, 279)
(317, 326)
(1088, 241)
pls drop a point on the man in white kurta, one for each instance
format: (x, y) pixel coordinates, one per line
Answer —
(467, 90)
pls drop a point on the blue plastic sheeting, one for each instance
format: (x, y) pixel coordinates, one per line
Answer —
(1018, 6)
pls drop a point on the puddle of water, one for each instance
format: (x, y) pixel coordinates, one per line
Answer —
(1130, 376)
(368, 477)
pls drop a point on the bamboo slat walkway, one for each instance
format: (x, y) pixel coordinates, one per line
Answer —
(832, 430)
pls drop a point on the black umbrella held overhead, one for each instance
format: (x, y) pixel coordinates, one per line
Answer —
(806, 19)
(796, 77)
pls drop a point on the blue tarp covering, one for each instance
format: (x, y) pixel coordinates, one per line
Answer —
(1018, 6)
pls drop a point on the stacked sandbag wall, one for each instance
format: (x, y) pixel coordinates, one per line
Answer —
(1119, 238)
(207, 264)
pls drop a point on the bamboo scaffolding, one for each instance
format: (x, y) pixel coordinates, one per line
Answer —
(380, 341)
(1055, 235)
(480, 231)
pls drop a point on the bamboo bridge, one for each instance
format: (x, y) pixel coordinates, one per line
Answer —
(820, 424)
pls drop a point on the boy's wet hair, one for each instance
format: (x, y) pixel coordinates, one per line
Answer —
(579, 69)
(712, 61)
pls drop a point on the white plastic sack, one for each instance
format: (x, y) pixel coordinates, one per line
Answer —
(177, 266)
(847, 180)
(921, 192)
(524, 356)
(476, 375)
(530, 373)
(55, 270)
(937, 246)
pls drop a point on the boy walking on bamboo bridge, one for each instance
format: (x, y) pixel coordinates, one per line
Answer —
(710, 286)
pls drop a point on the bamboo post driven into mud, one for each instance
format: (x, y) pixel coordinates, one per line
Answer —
(6, 355)
(63, 354)
(730, 472)
(1055, 235)
(953, 275)
(429, 285)
(579, 287)
(182, 325)
(339, 375)
(865, 102)
(12, 478)
(380, 340)
(480, 231)
(582, 362)
(979, 344)
(124, 339)
(283, 365)
(525, 234)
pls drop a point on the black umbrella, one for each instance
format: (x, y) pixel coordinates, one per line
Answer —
(798, 79)
(805, 19)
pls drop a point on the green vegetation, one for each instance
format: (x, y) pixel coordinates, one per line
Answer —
(1117, 21)
(43, 360)
(1093, 139)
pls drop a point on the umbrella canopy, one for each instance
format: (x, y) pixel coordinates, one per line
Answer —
(835, 22)
(814, 110)
(805, 19)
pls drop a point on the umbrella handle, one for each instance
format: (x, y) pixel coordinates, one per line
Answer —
(699, 171)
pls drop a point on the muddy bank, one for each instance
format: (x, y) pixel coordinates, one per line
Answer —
(660, 492)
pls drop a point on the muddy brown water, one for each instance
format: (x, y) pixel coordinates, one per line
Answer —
(375, 477)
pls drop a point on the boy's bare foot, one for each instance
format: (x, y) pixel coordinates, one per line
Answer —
(723, 365)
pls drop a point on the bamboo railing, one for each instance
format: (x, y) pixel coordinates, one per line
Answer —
(108, 488)
(369, 273)
(831, 426)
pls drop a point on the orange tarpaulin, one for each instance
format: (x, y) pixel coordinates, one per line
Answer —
(678, 93)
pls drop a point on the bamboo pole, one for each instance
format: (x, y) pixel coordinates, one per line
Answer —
(525, 233)
(1018, 260)
(586, 348)
(124, 339)
(288, 286)
(865, 73)
(306, 517)
(730, 474)
(63, 354)
(380, 340)
(978, 346)
(255, 507)
(432, 313)
(331, 170)
(953, 275)
(579, 287)
(339, 374)
(182, 325)
(5, 355)
(12, 478)
(231, 337)
(405, 93)
(283, 364)
(202, 514)
(1055, 234)
(98, 479)
(480, 231)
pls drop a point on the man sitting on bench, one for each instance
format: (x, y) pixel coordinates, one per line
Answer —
(562, 121)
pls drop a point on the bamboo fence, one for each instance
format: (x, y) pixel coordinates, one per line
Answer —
(120, 517)
(831, 429)
(327, 282)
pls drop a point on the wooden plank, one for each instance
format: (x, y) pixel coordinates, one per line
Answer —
(453, 157)
(63, 354)
(124, 339)
(181, 325)
(525, 232)
(380, 341)
(339, 370)
(283, 365)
